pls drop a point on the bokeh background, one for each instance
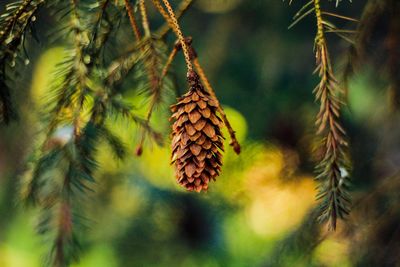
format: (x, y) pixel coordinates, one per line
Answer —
(261, 211)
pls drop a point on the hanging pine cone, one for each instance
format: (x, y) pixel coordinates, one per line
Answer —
(196, 137)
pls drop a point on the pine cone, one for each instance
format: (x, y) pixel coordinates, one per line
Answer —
(196, 137)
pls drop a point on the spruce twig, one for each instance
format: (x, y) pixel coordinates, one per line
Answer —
(65, 243)
(132, 20)
(151, 64)
(169, 62)
(14, 24)
(71, 161)
(333, 168)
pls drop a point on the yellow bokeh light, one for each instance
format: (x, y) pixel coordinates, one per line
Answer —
(278, 207)
(333, 252)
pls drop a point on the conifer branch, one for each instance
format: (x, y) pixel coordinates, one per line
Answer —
(132, 20)
(155, 88)
(152, 64)
(71, 160)
(169, 62)
(65, 244)
(74, 72)
(164, 72)
(86, 92)
(152, 61)
(14, 24)
(119, 68)
(101, 29)
(333, 167)
(116, 73)
(145, 19)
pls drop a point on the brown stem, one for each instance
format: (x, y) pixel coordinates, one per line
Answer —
(180, 11)
(64, 233)
(145, 20)
(168, 64)
(175, 26)
(132, 20)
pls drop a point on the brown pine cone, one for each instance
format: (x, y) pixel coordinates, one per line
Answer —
(196, 137)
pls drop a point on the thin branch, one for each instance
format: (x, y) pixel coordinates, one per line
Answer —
(175, 26)
(332, 169)
(14, 24)
(164, 72)
(180, 11)
(145, 20)
(132, 20)
(4, 33)
(168, 64)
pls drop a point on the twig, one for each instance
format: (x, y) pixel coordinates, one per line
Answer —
(145, 20)
(333, 184)
(175, 26)
(180, 11)
(168, 64)
(9, 27)
(132, 20)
